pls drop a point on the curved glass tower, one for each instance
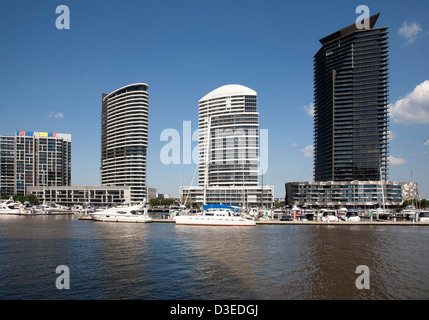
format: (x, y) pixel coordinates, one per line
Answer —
(124, 139)
(228, 146)
(228, 137)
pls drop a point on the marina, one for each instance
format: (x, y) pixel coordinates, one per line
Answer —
(224, 215)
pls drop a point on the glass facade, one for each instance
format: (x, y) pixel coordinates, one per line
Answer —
(351, 105)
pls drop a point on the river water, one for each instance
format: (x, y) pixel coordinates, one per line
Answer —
(163, 261)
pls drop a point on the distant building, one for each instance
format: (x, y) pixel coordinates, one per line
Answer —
(359, 194)
(151, 194)
(163, 196)
(34, 159)
(93, 195)
(124, 139)
(228, 162)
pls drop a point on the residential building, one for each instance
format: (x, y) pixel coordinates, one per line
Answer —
(124, 139)
(228, 162)
(80, 195)
(351, 124)
(34, 159)
(351, 194)
(351, 105)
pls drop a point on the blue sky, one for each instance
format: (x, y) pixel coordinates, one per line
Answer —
(52, 80)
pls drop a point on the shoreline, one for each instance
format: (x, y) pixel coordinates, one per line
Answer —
(340, 223)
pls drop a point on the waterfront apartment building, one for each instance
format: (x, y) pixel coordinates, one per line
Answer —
(86, 195)
(350, 194)
(351, 124)
(124, 139)
(228, 150)
(81, 195)
(351, 105)
(34, 159)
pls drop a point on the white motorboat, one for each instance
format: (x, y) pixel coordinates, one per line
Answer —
(10, 206)
(409, 213)
(351, 215)
(50, 208)
(216, 215)
(136, 213)
(307, 214)
(381, 214)
(423, 215)
(328, 215)
(295, 212)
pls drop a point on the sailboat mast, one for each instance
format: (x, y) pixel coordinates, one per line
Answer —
(206, 173)
(382, 189)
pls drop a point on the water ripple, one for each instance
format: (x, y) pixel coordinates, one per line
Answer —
(165, 261)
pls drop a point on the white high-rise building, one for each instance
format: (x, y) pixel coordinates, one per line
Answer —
(124, 139)
(228, 159)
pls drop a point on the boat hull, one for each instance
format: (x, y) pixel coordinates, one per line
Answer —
(10, 211)
(204, 221)
(122, 218)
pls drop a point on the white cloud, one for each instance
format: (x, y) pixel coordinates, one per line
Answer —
(296, 144)
(308, 151)
(427, 143)
(410, 31)
(414, 107)
(390, 135)
(310, 109)
(55, 115)
(393, 161)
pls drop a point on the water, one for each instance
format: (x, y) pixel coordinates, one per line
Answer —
(165, 261)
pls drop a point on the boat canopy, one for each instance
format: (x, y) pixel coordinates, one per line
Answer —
(221, 206)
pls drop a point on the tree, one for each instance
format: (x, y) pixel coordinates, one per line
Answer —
(32, 199)
(278, 204)
(417, 203)
(154, 202)
(167, 202)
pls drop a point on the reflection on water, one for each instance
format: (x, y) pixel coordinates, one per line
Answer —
(165, 261)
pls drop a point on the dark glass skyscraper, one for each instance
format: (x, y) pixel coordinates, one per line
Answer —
(350, 105)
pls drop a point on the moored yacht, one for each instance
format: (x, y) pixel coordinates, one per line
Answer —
(328, 215)
(423, 215)
(10, 206)
(50, 208)
(136, 213)
(216, 215)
